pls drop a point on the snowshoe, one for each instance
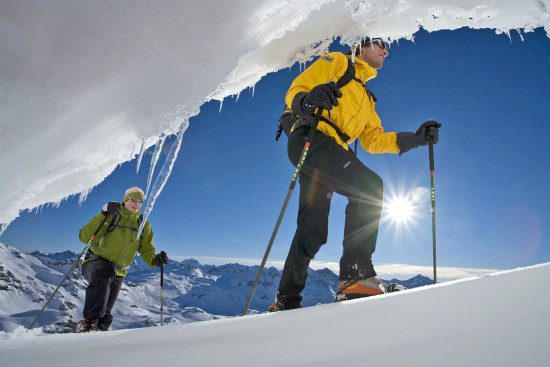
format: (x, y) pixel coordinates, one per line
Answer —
(273, 308)
(283, 303)
(394, 287)
(86, 325)
(353, 289)
(277, 306)
(61, 327)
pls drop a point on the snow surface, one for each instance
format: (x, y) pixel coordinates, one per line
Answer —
(496, 320)
(88, 85)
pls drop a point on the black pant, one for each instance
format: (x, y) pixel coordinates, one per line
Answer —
(102, 291)
(330, 168)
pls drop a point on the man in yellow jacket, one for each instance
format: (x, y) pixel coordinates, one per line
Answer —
(330, 166)
(110, 256)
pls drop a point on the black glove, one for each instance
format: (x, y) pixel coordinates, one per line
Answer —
(428, 132)
(111, 208)
(323, 96)
(160, 259)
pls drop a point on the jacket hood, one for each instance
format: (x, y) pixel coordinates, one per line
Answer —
(126, 214)
(364, 71)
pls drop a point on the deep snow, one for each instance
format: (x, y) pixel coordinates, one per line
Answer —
(496, 320)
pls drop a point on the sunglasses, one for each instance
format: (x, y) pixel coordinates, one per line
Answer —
(139, 201)
(377, 41)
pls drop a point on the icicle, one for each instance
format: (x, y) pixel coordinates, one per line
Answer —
(83, 196)
(253, 89)
(507, 32)
(221, 104)
(141, 151)
(520, 34)
(132, 154)
(3, 228)
(154, 160)
(163, 175)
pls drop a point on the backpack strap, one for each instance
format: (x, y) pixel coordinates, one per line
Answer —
(344, 137)
(112, 225)
(140, 219)
(370, 94)
(348, 76)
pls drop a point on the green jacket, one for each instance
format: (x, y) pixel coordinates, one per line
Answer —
(121, 244)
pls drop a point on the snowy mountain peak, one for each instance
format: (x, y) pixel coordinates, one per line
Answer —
(192, 291)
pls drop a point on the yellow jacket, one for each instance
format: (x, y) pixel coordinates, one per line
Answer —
(355, 114)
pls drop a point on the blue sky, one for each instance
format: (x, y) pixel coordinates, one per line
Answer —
(491, 173)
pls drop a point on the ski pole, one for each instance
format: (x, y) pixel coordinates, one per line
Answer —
(70, 270)
(433, 206)
(161, 289)
(309, 138)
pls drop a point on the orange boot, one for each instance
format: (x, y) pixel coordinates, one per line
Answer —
(352, 289)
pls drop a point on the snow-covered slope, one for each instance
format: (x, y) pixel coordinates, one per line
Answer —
(497, 320)
(87, 85)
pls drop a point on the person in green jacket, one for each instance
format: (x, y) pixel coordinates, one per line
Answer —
(109, 258)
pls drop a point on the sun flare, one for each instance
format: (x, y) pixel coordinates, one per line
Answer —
(403, 209)
(400, 209)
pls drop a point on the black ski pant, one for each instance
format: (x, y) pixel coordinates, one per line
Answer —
(330, 168)
(102, 291)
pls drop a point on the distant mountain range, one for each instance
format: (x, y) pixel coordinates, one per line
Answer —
(192, 291)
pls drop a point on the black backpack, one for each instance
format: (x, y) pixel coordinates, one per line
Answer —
(288, 119)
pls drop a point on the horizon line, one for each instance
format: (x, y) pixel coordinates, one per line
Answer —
(444, 273)
(393, 270)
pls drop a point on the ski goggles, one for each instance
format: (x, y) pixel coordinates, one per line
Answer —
(139, 201)
(377, 41)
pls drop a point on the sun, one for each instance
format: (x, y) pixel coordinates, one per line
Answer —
(400, 209)
(403, 209)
